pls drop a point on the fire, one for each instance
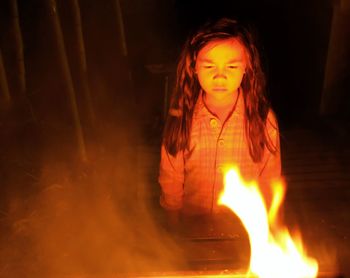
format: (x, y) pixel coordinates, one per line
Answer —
(274, 252)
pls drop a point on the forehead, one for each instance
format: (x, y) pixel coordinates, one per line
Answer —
(231, 49)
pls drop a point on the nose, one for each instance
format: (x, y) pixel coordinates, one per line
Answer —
(220, 73)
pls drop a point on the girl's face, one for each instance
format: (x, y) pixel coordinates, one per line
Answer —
(220, 67)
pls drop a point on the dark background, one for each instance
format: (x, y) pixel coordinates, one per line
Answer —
(295, 41)
(64, 211)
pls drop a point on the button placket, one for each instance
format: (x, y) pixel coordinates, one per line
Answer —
(213, 123)
(221, 142)
(215, 126)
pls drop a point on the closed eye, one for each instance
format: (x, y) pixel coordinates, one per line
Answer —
(232, 67)
(208, 66)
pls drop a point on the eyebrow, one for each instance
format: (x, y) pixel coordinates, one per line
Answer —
(206, 60)
(235, 61)
(229, 62)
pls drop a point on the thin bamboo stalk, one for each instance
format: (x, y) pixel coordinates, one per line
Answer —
(68, 79)
(123, 44)
(82, 62)
(120, 19)
(4, 88)
(18, 47)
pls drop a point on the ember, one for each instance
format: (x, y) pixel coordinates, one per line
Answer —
(274, 252)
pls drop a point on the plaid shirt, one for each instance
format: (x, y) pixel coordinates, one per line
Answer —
(193, 179)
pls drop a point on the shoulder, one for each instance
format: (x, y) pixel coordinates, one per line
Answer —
(271, 121)
(271, 128)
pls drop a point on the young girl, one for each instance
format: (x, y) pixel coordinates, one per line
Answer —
(218, 116)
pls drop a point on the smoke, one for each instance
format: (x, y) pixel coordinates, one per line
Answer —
(59, 216)
(87, 219)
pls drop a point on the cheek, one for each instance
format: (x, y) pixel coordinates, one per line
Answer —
(236, 80)
(203, 79)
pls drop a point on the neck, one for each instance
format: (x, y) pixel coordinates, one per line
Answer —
(221, 101)
(222, 105)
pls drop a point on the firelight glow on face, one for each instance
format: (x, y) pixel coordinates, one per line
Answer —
(220, 67)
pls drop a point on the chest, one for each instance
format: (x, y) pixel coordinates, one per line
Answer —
(216, 145)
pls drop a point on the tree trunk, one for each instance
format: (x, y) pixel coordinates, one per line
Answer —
(335, 95)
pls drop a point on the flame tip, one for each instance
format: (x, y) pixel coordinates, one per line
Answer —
(273, 251)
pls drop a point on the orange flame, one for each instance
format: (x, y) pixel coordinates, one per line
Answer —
(274, 253)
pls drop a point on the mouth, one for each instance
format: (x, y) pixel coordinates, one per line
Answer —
(219, 89)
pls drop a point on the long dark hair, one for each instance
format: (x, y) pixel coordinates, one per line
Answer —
(178, 125)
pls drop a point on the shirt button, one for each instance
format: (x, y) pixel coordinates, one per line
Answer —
(221, 143)
(213, 123)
